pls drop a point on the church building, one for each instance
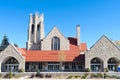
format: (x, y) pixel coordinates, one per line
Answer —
(55, 52)
(52, 52)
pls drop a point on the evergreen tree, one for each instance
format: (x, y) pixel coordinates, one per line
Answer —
(4, 43)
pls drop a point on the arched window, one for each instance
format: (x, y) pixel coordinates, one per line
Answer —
(10, 65)
(11, 61)
(32, 29)
(96, 65)
(112, 64)
(55, 43)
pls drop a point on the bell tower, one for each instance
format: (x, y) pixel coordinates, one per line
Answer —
(35, 31)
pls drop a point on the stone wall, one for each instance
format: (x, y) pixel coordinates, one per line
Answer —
(46, 43)
(103, 49)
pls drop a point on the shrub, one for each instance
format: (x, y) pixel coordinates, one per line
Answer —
(13, 74)
(38, 74)
(99, 75)
(87, 70)
(86, 74)
(84, 77)
(21, 70)
(93, 75)
(118, 77)
(77, 76)
(106, 70)
(105, 75)
(69, 77)
(114, 76)
(48, 76)
(41, 75)
(8, 75)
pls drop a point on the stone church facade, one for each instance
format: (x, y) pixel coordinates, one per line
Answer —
(104, 54)
(55, 52)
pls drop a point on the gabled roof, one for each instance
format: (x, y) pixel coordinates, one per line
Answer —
(55, 29)
(104, 37)
(13, 48)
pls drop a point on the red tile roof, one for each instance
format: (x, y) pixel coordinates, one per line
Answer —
(53, 56)
(22, 51)
(83, 47)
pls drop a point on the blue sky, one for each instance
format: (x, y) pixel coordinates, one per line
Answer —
(96, 17)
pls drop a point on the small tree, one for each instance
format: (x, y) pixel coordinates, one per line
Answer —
(61, 57)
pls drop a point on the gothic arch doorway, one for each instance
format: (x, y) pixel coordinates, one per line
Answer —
(10, 64)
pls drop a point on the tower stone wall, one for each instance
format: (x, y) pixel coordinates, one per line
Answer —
(35, 31)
